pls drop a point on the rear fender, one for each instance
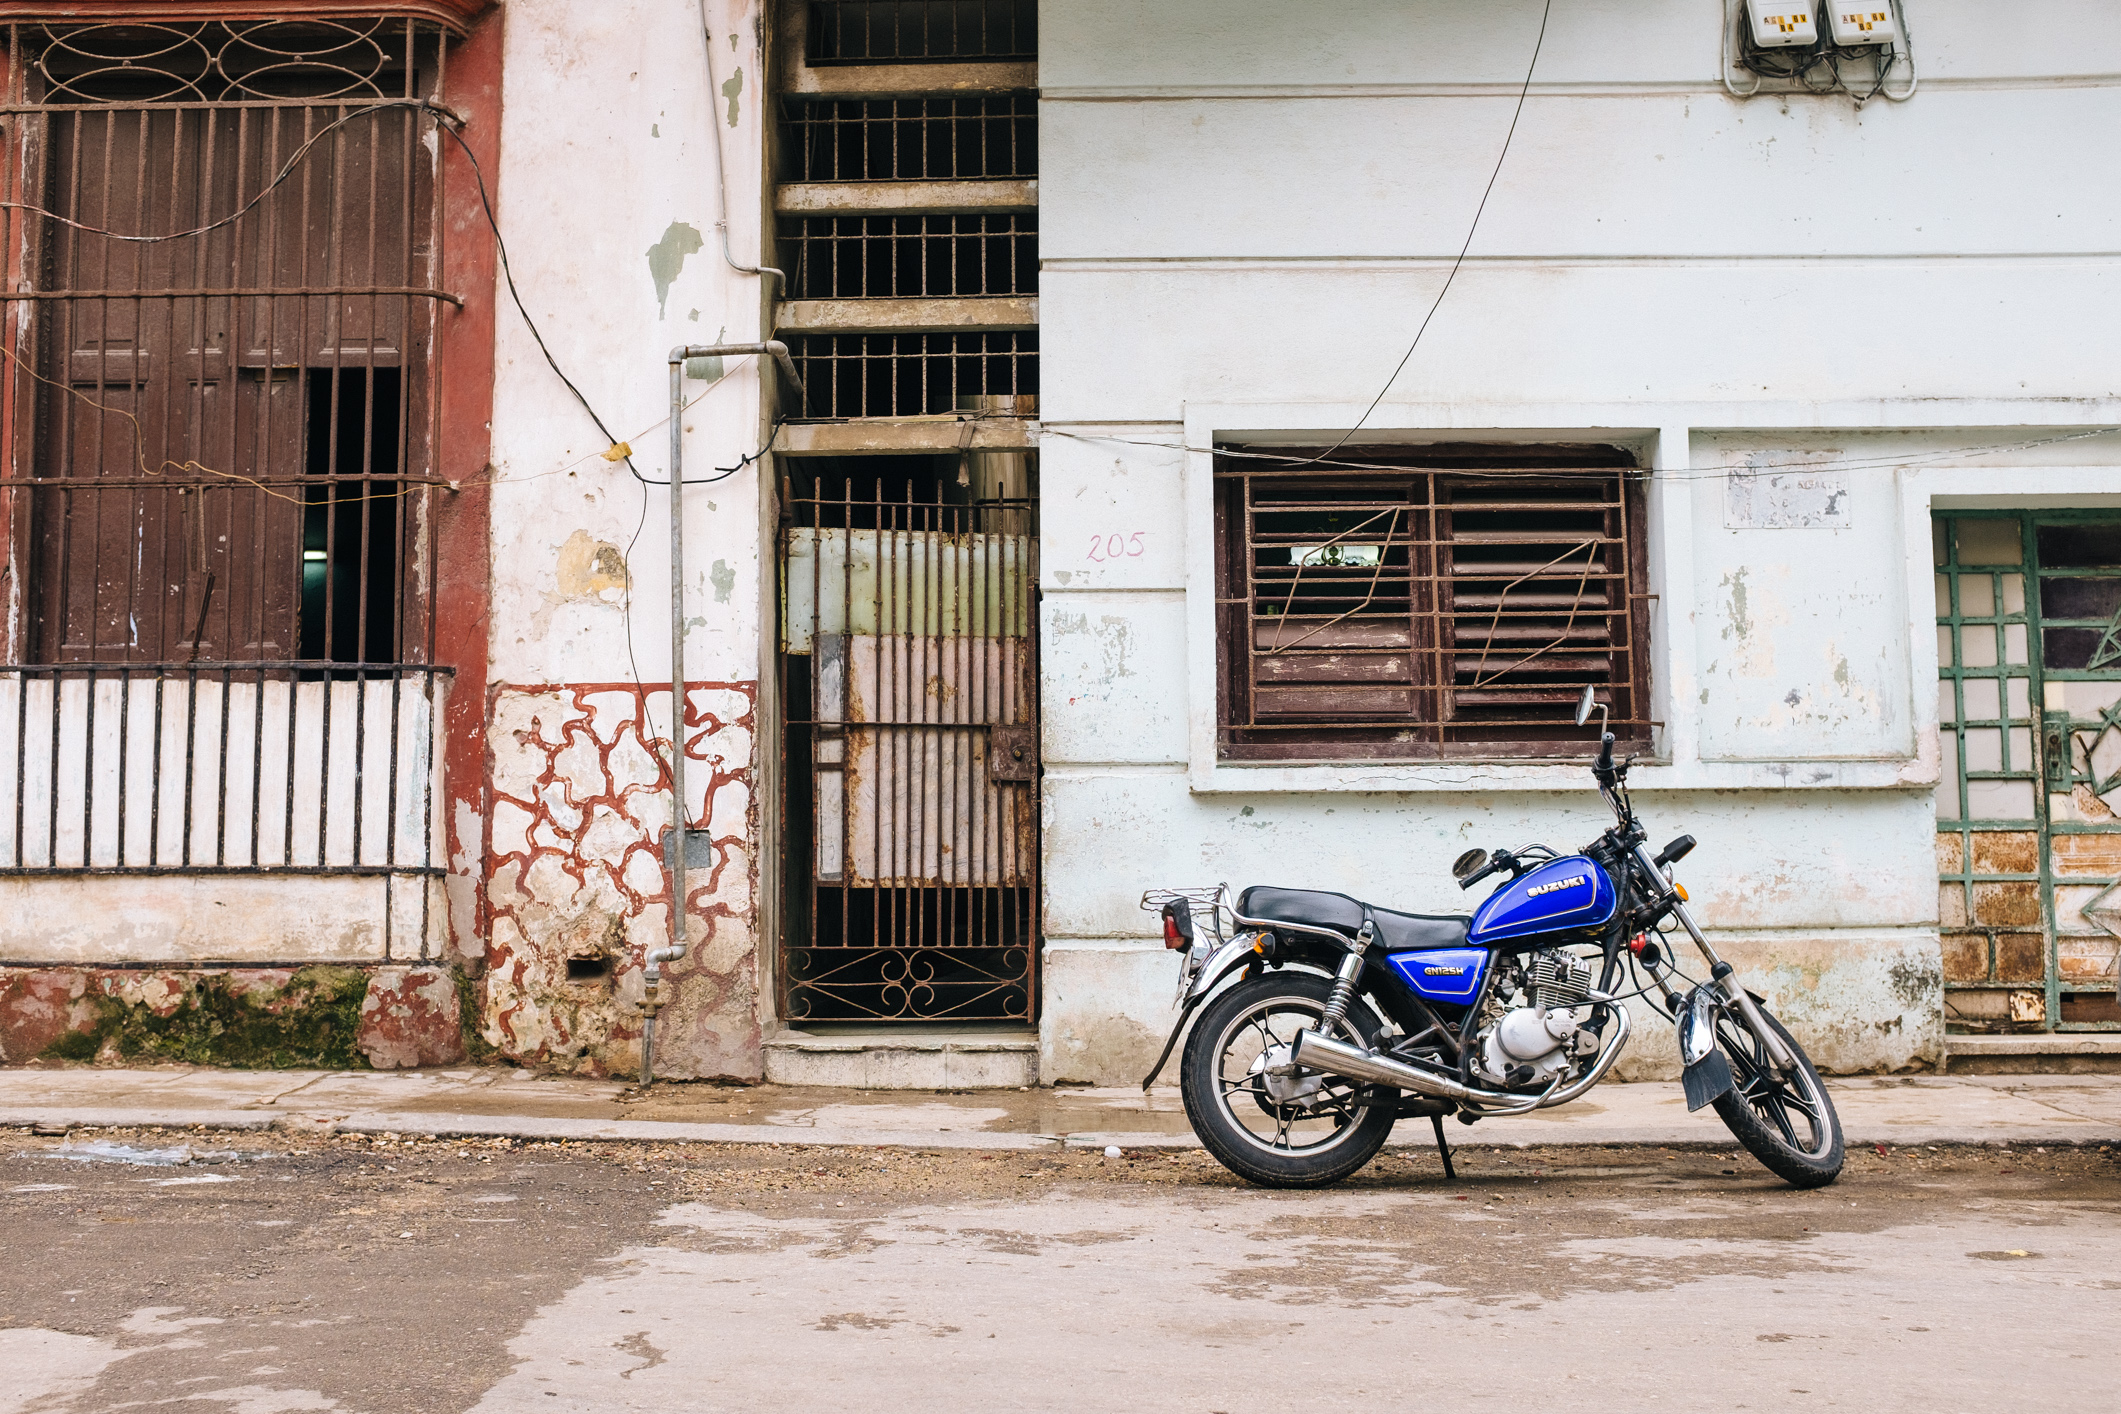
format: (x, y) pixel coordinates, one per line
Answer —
(1220, 964)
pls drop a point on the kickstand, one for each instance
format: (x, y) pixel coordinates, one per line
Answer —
(1443, 1149)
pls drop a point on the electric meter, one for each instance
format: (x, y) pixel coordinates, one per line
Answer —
(1867, 24)
(1782, 24)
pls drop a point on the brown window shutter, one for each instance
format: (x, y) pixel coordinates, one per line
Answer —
(1444, 607)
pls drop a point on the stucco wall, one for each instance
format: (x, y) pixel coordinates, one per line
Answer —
(608, 201)
(1246, 208)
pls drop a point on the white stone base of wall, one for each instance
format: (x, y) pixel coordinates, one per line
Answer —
(972, 1061)
(1860, 1001)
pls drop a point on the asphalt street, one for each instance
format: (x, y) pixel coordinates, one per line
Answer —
(277, 1273)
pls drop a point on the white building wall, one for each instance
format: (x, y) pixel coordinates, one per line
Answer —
(607, 199)
(1246, 208)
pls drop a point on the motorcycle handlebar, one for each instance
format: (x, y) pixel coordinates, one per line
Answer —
(1494, 866)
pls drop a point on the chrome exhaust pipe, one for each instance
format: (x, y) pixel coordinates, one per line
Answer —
(1353, 1063)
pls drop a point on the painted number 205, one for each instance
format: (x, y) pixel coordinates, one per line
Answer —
(1116, 546)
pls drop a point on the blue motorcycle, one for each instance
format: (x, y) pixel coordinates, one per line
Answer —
(1340, 1018)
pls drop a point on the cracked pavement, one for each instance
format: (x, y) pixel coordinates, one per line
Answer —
(330, 1272)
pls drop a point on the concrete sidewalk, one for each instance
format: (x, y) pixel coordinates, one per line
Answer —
(2033, 1109)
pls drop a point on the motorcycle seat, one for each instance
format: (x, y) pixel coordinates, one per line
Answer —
(1398, 932)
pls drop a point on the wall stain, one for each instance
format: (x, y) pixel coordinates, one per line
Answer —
(731, 87)
(667, 257)
(1741, 623)
(592, 569)
(723, 578)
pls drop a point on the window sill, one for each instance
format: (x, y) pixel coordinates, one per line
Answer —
(1550, 774)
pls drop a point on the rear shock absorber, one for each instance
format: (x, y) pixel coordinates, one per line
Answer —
(1343, 992)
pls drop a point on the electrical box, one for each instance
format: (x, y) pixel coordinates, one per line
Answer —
(1866, 24)
(1782, 24)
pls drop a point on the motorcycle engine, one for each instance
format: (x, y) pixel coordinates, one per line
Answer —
(1540, 1039)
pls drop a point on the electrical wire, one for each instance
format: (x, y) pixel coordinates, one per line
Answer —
(1523, 92)
(287, 169)
(1886, 463)
(447, 122)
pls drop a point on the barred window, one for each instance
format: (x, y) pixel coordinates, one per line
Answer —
(1427, 602)
(230, 226)
(920, 31)
(221, 477)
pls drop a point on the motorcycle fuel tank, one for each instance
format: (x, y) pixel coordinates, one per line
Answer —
(1559, 896)
(1441, 974)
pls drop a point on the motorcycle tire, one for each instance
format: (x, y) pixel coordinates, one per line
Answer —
(1229, 1117)
(1763, 1110)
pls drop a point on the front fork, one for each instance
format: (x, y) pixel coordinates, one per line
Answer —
(1723, 973)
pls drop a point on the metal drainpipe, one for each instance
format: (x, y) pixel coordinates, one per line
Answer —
(653, 1002)
(721, 173)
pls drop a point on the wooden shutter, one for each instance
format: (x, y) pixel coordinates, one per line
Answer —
(1380, 611)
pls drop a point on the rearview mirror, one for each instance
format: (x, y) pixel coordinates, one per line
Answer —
(1584, 706)
(1468, 863)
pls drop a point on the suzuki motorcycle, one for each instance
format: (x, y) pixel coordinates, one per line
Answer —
(1341, 1018)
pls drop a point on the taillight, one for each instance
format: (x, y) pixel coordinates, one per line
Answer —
(1178, 925)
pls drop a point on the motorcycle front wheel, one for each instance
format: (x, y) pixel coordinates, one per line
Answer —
(1787, 1124)
(1280, 1131)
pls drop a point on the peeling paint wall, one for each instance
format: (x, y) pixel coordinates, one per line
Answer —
(1245, 210)
(578, 891)
(608, 195)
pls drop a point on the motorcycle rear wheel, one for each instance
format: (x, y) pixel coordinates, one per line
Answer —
(1327, 1134)
(1789, 1125)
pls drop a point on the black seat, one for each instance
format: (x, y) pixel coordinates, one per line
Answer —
(1398, 932)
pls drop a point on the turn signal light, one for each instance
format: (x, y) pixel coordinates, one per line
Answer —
(1680, 889)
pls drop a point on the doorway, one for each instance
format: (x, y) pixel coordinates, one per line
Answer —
(908, 660)
(2029, 804)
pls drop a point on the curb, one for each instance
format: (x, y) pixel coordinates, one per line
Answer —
(462, 1126)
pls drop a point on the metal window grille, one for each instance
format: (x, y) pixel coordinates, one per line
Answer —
(979, 137)
(896, 257)
(911, 375)
(1430, 611)
(221, 461)
(909, 682)
(915, 31)
(2029, 803)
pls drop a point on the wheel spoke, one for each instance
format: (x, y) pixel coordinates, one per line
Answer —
(1781, 1117)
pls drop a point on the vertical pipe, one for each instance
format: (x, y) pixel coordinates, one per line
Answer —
(658, 956)
(677, 657)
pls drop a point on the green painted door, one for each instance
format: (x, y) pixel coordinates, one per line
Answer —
(2029, 802)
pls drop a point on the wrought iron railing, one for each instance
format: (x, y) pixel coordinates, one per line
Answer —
(156, 768)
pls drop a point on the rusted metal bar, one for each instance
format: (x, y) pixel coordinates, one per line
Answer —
(910, 315)
(905, 80)
(253, 291)
(935, 197)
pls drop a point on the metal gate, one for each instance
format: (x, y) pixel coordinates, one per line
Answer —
(909, 686)
(2029, 807)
